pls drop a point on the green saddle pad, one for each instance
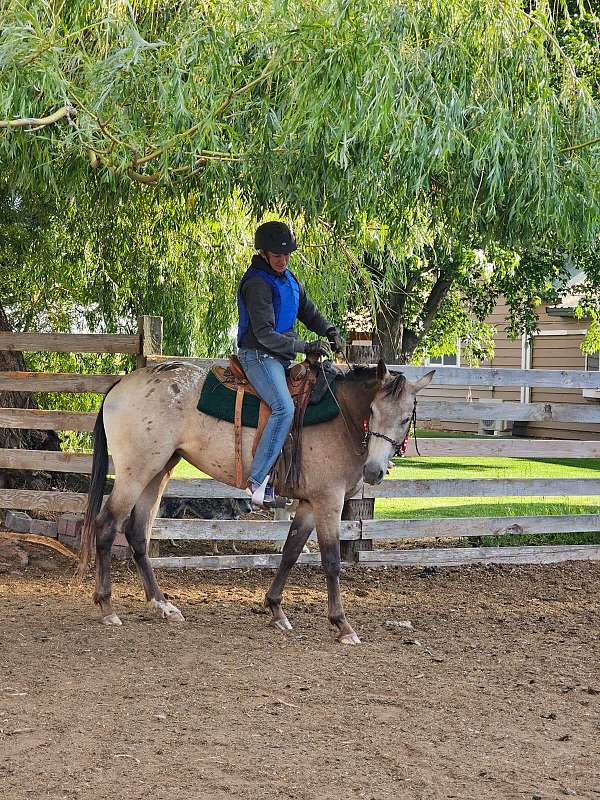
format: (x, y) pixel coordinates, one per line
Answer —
(218, 401)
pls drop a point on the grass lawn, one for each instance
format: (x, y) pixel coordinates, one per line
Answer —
(451, 468)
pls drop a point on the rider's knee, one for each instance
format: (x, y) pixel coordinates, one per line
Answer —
(284, 408)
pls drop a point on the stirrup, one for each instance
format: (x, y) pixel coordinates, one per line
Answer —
(264, 496)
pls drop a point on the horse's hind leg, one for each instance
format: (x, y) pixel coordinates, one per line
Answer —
(328, 514)
(138, 534)
(110, 521)
(300, 529)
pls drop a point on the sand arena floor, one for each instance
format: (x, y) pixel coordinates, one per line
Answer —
(494, 694)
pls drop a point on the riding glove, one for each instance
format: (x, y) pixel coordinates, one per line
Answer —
(336, 340)
(316, 348)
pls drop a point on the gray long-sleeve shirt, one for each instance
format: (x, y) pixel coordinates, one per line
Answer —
(261, 333)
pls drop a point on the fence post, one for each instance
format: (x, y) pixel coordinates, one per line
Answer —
(151, 338)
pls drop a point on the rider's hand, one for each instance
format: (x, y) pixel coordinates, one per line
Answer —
(336, 340)
(317, 348)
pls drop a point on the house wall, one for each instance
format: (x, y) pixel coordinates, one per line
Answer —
(555, 350)
(551, 349)
(507, 354)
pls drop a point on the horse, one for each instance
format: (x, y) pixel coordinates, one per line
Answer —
(149, 420)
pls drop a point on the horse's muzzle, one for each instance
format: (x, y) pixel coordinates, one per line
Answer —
(372, 473)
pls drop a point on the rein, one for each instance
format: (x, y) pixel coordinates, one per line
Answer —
(343, 416)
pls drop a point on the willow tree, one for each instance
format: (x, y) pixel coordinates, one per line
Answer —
(414, 131)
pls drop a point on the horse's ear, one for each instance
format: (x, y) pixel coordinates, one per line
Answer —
(424, 381)
(382, 370)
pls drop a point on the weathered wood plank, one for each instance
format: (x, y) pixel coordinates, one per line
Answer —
(486, 409)
(151, 335)
(28, 499)
(514, 448)
(461, 556)
(48, 461)
(202, 487)
(235, 530)
(70, 342)
(467, 376)
(259, 560)
(428, 409)
(493, 447)
(151, 338)
(56, 382)
(504, 376)
(41, 420)
(486, 487)
(478, 526)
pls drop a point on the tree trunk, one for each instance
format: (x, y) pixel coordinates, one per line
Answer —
(396, 341)
(18, 437)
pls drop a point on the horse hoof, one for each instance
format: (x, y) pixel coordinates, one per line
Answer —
(282, 625)
(167, 610)
(349, 638)
(111, 619)
(174, 616)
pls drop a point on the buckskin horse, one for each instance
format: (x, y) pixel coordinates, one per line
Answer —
(149, 420)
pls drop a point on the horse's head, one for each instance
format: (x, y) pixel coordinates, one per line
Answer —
(390, 417)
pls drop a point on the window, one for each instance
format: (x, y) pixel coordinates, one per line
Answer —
(592, 362)
(447, 359)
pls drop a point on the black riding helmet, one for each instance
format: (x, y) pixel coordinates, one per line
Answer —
(275, 237)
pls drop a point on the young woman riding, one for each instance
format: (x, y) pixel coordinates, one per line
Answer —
(270, 300)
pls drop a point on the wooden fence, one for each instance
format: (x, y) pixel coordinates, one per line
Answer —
(359, 536)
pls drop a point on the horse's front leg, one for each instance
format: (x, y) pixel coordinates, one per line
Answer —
(328, 514)
(300, 529)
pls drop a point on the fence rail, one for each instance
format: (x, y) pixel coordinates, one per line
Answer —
(70, 343)
(474, 411)
(56, 382)
(356, 535)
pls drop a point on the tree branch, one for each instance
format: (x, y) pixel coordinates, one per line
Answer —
(580, 146)
(410, 339)
(219, 110)
(39, 122)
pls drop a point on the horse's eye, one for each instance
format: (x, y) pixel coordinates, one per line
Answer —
(405, 421)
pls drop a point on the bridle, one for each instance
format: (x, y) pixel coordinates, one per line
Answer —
(399, 447)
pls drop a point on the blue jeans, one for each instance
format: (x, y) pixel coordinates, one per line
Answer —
(267, 375)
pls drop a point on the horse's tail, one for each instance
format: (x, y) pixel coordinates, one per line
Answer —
(95, 493)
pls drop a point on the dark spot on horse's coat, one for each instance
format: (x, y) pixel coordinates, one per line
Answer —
(175, 388)
(149, 393)
(168, 366)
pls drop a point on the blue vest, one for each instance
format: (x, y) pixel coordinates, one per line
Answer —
(286, 300)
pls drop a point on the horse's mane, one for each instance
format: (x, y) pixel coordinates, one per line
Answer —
(362, 372)
(358, 372)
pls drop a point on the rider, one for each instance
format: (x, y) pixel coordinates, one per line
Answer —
(270, 299)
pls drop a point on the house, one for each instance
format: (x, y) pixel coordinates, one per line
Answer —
(556, 345)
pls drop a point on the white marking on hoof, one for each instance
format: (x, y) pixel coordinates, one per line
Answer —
(111, 619)
(167, 610)
(349, 638)
(282, 625)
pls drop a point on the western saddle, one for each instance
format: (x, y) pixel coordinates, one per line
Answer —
(301, 379)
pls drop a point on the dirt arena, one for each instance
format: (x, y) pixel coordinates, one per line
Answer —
(495, 694)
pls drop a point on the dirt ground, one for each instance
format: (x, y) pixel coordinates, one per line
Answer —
(495, 694)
